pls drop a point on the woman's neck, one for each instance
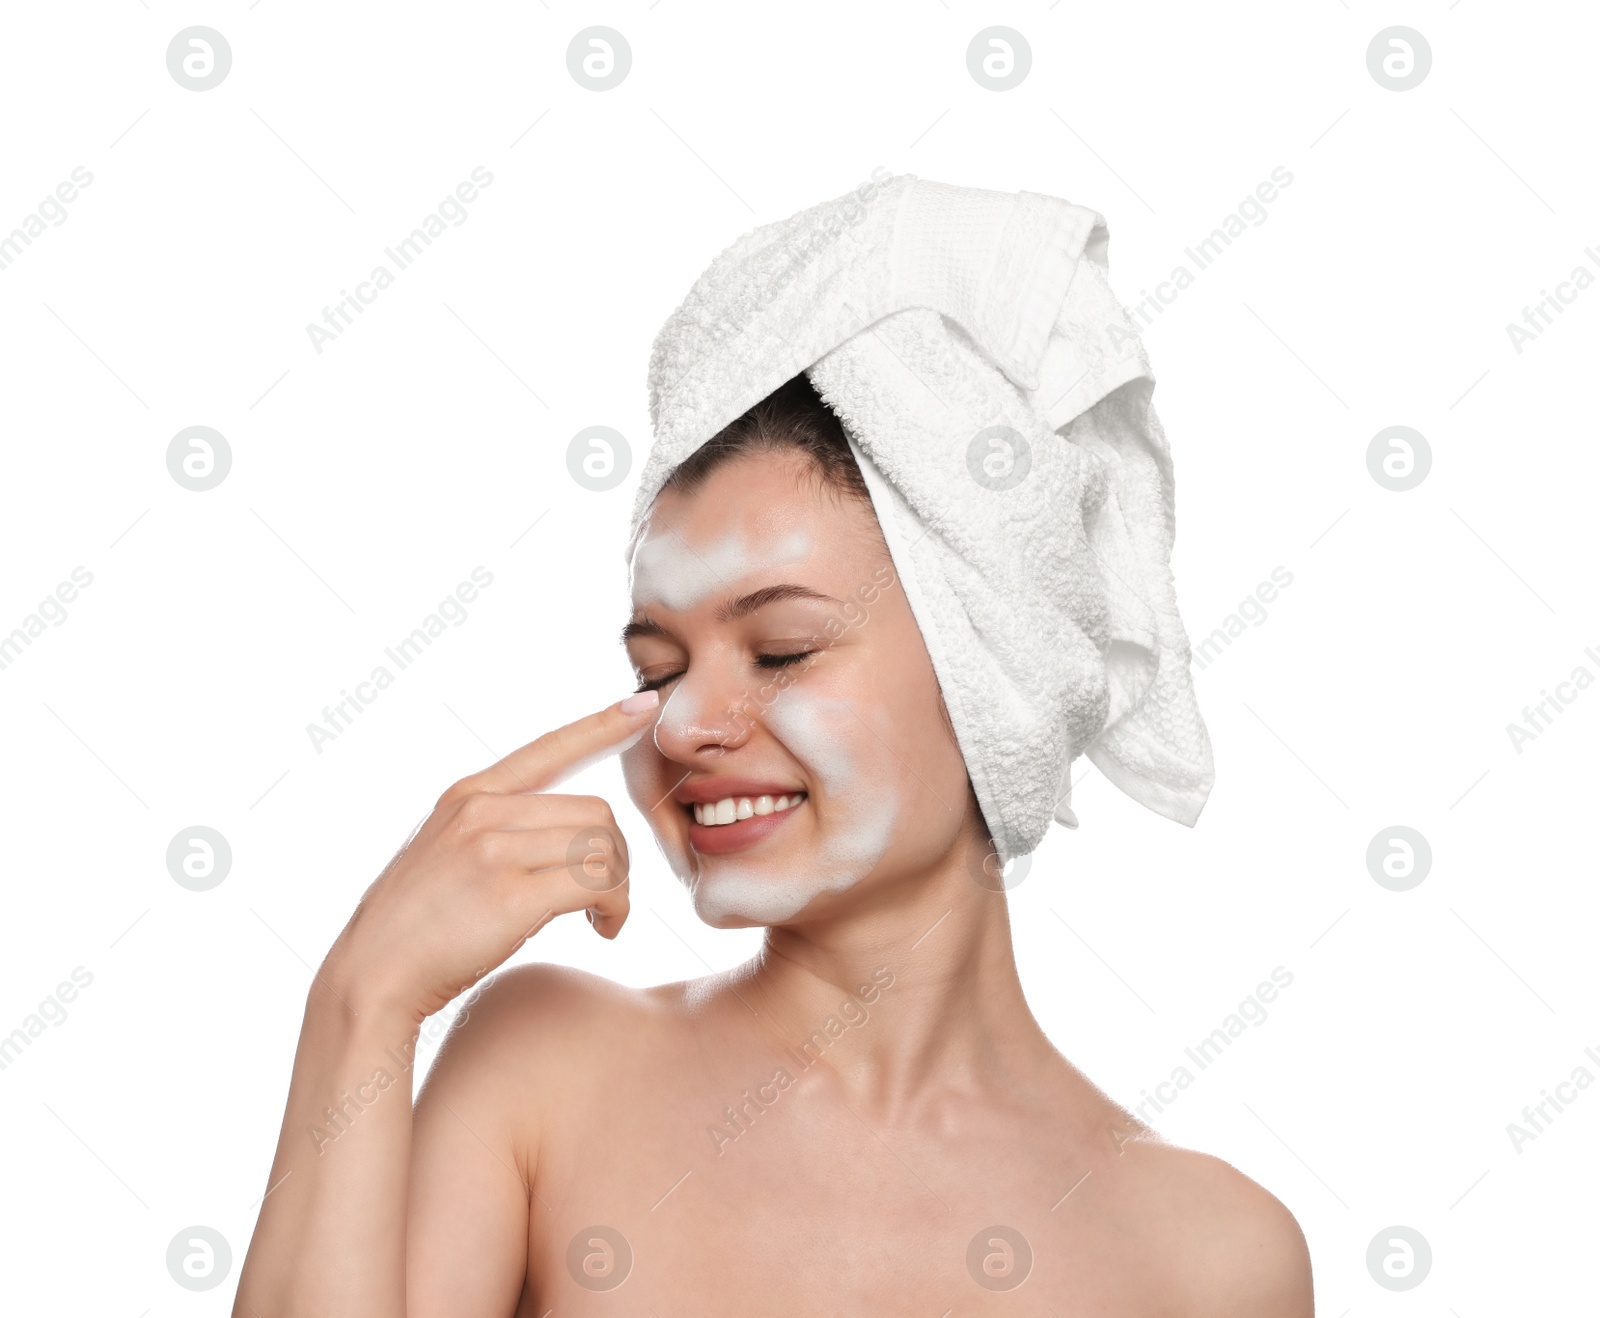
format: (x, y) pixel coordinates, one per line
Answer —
(912, 990)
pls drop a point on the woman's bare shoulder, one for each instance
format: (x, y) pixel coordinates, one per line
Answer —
(531, 1044)
(541, 1015)
(1235, 1249)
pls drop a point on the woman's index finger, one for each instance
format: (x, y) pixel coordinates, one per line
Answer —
(562, 752)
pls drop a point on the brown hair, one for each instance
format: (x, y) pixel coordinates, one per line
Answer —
(792, 416)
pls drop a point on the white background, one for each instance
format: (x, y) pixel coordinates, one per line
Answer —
(369, 479)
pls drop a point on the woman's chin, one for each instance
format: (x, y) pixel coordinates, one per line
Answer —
(729, 920)
(725, 898)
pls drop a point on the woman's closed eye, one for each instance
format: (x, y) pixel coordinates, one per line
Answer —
(767, 661)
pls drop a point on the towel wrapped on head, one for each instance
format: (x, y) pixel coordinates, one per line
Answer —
(998, 402)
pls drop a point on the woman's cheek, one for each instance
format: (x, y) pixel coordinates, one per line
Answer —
(644, 773)
(639, 772)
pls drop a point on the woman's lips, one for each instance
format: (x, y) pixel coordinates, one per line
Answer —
(719, 839)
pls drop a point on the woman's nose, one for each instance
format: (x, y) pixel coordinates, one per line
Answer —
(707, 713)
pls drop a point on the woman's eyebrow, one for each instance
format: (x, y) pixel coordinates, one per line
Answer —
(759, 599)
(643, 626)
(729, 610)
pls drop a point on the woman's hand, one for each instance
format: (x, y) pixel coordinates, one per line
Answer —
(499, 857)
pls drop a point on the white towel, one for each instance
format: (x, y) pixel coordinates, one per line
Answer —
(926, 314)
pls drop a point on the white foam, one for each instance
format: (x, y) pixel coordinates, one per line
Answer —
(857, 806)
(669, 569)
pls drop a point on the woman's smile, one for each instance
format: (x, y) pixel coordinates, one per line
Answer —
(749, 825)
(729, 814)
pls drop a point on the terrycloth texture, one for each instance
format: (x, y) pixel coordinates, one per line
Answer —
(926, 314)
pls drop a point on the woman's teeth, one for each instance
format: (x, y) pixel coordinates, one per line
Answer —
(733, 808)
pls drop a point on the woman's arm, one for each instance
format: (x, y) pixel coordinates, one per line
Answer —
(474, 1149)
(331, 1235)
(495, 861)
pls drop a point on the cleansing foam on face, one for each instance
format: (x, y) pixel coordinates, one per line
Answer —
(856, 797)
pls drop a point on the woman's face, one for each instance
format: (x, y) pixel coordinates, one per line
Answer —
(768, 613)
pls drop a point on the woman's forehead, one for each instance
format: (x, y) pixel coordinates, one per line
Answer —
(744, 518)
(677, 569)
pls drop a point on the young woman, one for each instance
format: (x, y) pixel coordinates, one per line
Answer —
(863, 1119)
